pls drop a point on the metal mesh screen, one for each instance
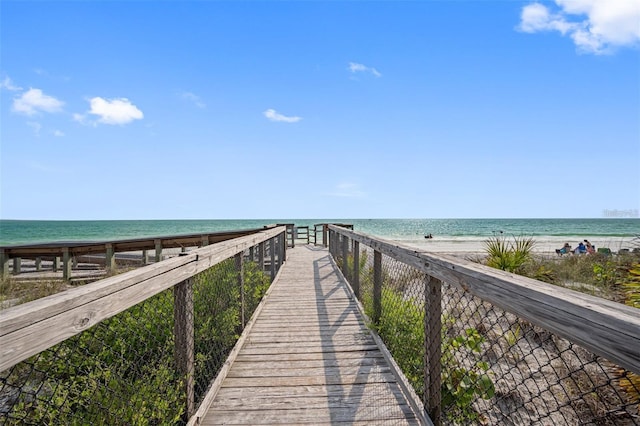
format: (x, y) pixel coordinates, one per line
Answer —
(494, 368)
(109, 373)
(523, 374)
(151, 364)
(219, 313)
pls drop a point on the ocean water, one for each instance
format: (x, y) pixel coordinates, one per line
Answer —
(449, 234)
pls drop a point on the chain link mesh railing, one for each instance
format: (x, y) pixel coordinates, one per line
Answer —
(493, 366)
(150, 364)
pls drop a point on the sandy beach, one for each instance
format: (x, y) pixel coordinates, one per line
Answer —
(544, 245)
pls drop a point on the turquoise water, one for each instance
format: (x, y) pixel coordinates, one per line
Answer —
(27, 231)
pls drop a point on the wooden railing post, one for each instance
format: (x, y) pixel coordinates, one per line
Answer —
(183, 332)
(283, 250)
(293, 235)
(204, 241)
(158, 244)
(432, 348)
(110, 261)
(38, 264)
(145, 257)
(272, 251)
(56, 263)
(325, 227)
(332, 243)
(240, 272)
(17, 265)
(355, 284)
(345, 255)
(4, 264)
(377, 286)
(66, 264)
(261, 256)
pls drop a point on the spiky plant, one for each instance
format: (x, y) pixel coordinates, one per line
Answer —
(509, 255)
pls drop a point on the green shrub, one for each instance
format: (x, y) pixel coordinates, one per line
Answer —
(460, 385)
(401, 327)
(122, 370)
(509, 255)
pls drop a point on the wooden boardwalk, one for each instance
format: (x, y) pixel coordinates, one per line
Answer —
(309, 358)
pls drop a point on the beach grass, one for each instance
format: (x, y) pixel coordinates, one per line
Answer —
(14, 291)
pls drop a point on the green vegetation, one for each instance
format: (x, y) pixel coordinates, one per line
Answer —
(508, 255)
(460, 385)
(122, 370)
(597, 274)
(401, 327)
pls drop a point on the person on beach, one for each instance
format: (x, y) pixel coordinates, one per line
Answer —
(581, 249)
(591, 249)
(566, 249)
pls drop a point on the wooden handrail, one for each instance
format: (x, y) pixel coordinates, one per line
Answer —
(28, 329)
(605, 328)
(77, 248)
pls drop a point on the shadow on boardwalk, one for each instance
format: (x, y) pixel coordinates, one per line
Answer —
(309, 357)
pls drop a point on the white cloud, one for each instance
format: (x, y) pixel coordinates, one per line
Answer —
(595, 26)
(112, 111)
(348, 190)
(188, 96)
(355, 67)
(273, 115)
(33, 101)
(58, 133)
(7, 84)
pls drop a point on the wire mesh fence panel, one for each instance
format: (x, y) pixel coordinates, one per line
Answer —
(494, 367)
(523, 374)
(218, 313)
(121, 371)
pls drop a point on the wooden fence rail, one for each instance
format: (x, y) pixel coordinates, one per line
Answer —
(70, 251)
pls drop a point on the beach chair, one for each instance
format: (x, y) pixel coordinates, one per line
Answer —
(563, 250)
(604, 250)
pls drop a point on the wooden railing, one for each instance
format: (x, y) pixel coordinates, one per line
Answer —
(33, 327)
(605, 328)
(70, 252)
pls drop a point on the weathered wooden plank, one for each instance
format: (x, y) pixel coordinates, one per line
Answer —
(267, 363)
(395, 422)
(285, 357)
(358, 390)
(279, 342)
(309, 415)
(340, 400)
(305, 371)
(261, 335)
(326, 321)
(277, 349)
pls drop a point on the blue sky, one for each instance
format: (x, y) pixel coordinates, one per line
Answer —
(232, 110)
